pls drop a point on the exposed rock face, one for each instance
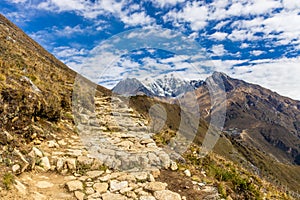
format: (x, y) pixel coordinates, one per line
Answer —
(131, 87)
(269, 120)
(167, 86)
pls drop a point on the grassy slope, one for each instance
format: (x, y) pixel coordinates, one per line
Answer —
(229, 157)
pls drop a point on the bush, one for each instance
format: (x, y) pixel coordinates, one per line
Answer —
(8, 180)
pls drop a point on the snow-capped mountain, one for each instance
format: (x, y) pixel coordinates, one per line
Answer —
(171, 86)
(165, 86)
(131, 87)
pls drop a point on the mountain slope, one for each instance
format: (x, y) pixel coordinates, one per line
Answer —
(261, 118)
(171, 86)
(131, 87)
(254, 136)
(166, 86)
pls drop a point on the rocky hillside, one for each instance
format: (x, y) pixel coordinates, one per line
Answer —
(47, 152)
(261, 118)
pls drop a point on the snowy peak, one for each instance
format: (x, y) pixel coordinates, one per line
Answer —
(131, 87)
(171, 86)
(164, 86)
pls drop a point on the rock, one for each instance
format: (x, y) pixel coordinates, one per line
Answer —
(212, 197)
(38, 196)
(83, 178)
(125, 144)
(151, 178)
(166, 195)
(75, 153)
(20, 187)
(173, 166)
(69, 178)
(155, 173)
(111, 196)
(89, 190)
(43, 184)
(62, 142)
(147, 198)
(45, 163)
(94, 174)
(147, 141)
(94, 196)
(96, 164)
(140, 176)
(125, 190)
(52, 144)
(89, 184)
(153, 159)
(210, 189)
(74, 185)
(85, 160)
(143, 193)
(187, 173)
(165, 160)
(16, 168)
(71, 162)
(155, 186)
(100, 187)
(37, 152)
(60, 164)
(9, 137)
(117, 185)
(201, 184)
(105, 178)
(79, 195)
(127, 177)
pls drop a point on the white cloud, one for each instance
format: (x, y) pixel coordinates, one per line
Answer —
(193, 13)
(284, 80)
(48, 37)
(136, 19)
(283, 27)
(165, 3)
(242, 35)
(244, 45)
(68, 52)
(218, 50)
(70, 31)
(257, 52)
(218, 35)
(18, 1)
(118, 8)
(291, 4)
(175, 59)
(221, 24)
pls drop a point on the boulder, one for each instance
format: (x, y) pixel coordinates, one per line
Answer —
(74, 185)
(166, 195)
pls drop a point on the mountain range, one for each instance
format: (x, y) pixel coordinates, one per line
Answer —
(168, 86)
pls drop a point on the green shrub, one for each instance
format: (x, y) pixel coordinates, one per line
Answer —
(8, 180)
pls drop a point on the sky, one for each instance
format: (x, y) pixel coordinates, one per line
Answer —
(108, 40)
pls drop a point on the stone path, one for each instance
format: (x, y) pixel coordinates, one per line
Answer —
(112, 158)
(119, 137)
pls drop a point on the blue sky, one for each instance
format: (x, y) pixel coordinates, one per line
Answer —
(254, 40)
